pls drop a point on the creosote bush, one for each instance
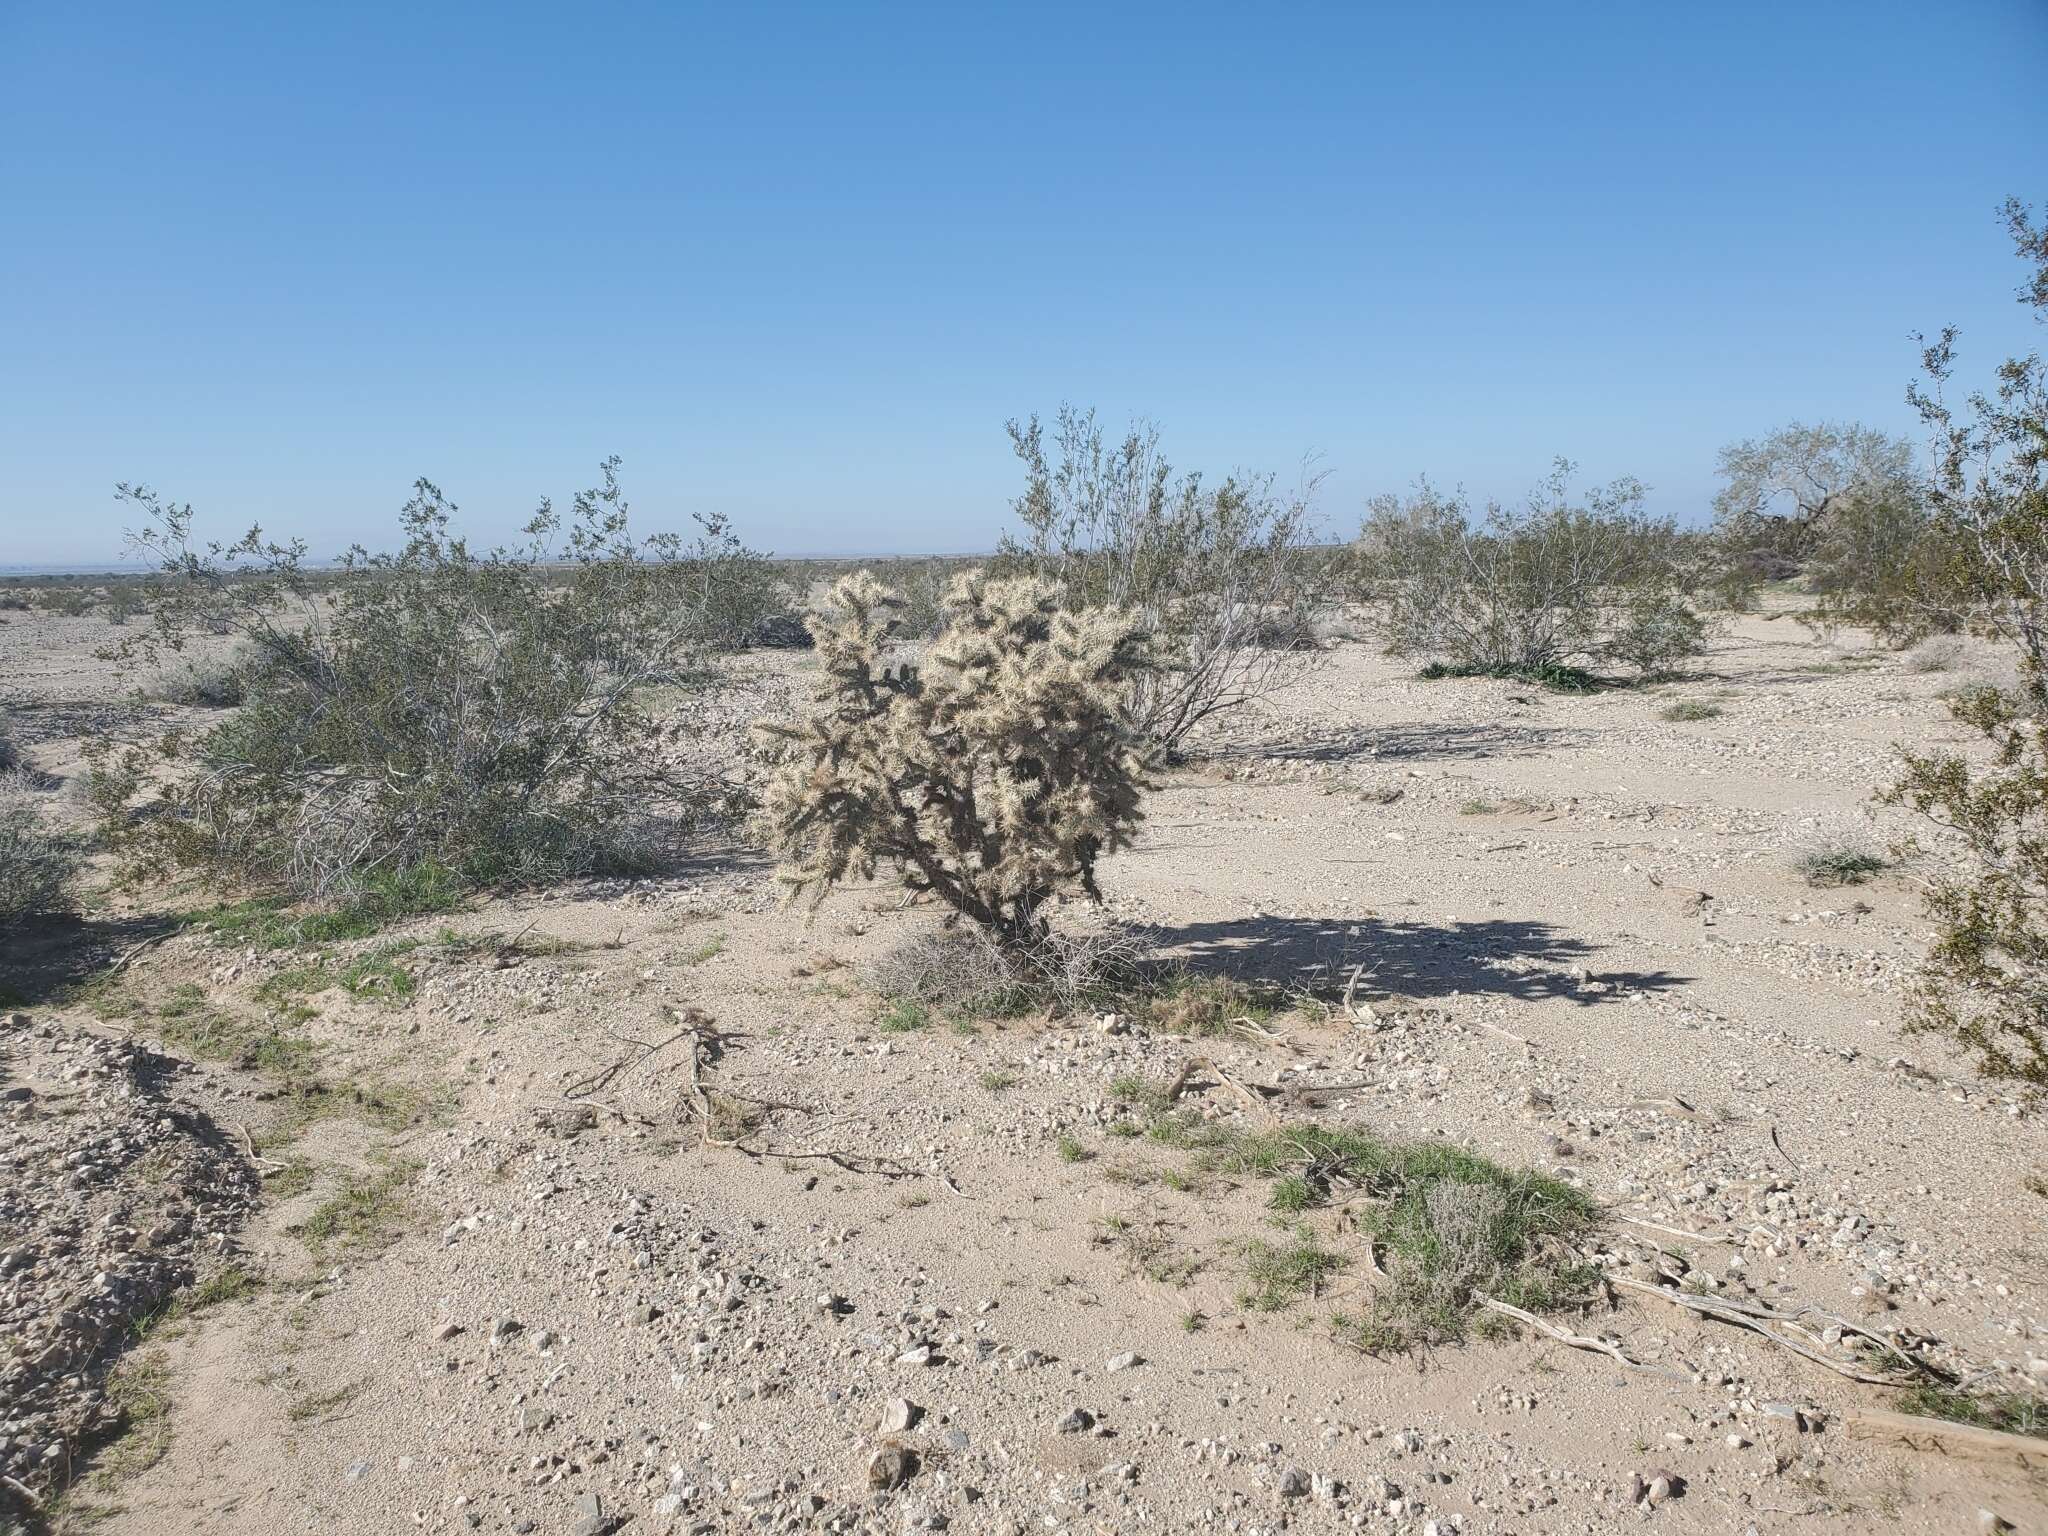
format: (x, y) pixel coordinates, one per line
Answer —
(994, 777)
(37, 863)
(1223, 578)
(1552, 588)
(1984, 984)
(471, 713)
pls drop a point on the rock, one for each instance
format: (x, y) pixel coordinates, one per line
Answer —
(1075, 1421)
(898, 1414)
(646, 1314)
(1122, 1362)
(446, 1332)
(917, 1354)
(358, 1471)
(891, 1467)
(1991, 1522)
(1295, 1483)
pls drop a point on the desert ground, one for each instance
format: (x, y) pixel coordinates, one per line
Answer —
(440, 1239)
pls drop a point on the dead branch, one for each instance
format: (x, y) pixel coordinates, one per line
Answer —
(1760, 1320)
(1947, 1439)
(1578, 1340)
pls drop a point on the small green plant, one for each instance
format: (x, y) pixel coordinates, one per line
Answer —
(995, 1080)
(1071, 1150)
(904, 1017)
(140, 1390)
(37, 862)
(1554, 676)
(1691, 709)
(2014, 1413)
(1279, 1274)
(1841, 863)
(364, 1214)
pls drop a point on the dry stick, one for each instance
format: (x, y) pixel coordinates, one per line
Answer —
(1578, 1340)
(887, 1167)
(1781, 1149)
(130, 955)
(1756, 1319)
(1658, 1226)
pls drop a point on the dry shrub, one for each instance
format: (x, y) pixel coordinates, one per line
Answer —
(473, 716)
(1540, 591)
(969, 974)
(37, 863)
(1224, 578)
(994, 777)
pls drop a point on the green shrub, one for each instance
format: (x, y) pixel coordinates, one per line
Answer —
(438, 708)
(1691, 709)
(1222, 578)
(1553, 587)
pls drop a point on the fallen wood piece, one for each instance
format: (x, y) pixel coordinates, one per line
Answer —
(1947, 1439)
(1194, 1064)
(1579, 1340)
(1658, 1226)
(1757, 1319)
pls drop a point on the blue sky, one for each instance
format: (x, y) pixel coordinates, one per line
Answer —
(800, 263)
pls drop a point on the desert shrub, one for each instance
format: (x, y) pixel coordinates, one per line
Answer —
(121, 603)
(37, 863)
(1784, 489)
(435, 708)
(1690, 710)
(971, 974)
(1840, 861)
(13, 602)
(1210, 573)
(1984, 984)
(1551, 586)
(1937, 653)
(65, 602)
(214, 682)
(1875, 560)
(993, 777)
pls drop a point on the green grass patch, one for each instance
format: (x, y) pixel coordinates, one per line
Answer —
(904, 1017)
(2014, 1413)
(384, 899)
(995, 1080)
(140, 1390)
(365, 1214)
(1071, 1150)
(1279, 1274)
(1447, 1225)
(221, 1036)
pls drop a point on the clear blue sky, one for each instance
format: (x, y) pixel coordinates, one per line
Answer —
(801, 262)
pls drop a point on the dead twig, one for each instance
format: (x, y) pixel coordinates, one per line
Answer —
(1578, 1340)
(1760, 1320)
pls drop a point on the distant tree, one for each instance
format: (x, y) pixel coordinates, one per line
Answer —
(1783, 488)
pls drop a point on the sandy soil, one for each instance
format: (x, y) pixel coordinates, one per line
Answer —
(1587, 950)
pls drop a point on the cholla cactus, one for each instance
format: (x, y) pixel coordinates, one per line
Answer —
(993, 777)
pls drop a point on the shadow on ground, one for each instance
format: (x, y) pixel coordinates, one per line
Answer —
(43, 960)
(1524, 960)
(1416, 743)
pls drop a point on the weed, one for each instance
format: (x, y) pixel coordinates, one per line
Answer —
(306, 1407)
(995, 1080)
(2015, 1413)
(364, 1214)
(903, 1018)
(1280, 1274)
(140, 1389)
(1841, 863)
(1691, 709)
(710, 949)
(1071, 1150)
(1552, 676)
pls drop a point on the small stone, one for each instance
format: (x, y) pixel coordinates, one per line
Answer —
(1075, 1421)
(646, 1314)
(1122, 1362)
(898, 1414)
(891, 1467)
(917, 1354)
(1295, 1483)
(358, 1471)
(446, 1332)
